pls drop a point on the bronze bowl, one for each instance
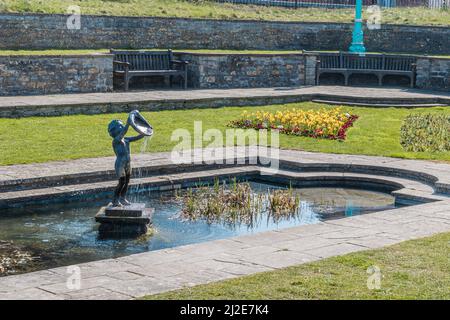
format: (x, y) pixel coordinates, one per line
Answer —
(138, 123)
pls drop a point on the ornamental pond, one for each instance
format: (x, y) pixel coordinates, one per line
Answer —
(42, 237)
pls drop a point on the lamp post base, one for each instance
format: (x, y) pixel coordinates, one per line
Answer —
(357, 48)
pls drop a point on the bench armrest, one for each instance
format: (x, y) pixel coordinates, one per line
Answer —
(122, 63)
(180, 62)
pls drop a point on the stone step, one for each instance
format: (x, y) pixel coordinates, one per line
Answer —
(154, 100)
(386, 104)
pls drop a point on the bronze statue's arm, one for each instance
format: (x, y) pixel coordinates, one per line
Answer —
(123, 132)
(136, 138)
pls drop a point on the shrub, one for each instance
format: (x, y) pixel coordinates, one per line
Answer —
(428, 132)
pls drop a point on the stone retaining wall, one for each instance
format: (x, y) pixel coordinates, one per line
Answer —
(42, 31)
(222, 71)
(37, 75)
(34, 75)
(433, 74)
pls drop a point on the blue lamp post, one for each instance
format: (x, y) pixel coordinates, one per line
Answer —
(357, 45)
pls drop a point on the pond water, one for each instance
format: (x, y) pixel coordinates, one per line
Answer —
(59, 235)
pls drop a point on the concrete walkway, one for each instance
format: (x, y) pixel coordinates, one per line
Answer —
(158, 271)
(93, 103)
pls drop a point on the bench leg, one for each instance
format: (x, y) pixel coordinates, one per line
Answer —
(126, 80)
(346, 76)
(412, 82)
(185, 78)
(380, 80)
(126, 83)
(167, 81)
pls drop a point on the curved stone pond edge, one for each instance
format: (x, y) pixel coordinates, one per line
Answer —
(416, 180)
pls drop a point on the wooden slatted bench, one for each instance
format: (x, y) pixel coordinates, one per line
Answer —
(378, 64)
(129, 64)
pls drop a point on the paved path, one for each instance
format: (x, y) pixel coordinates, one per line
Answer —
(133, 96)
(158, 271)
(163, 99)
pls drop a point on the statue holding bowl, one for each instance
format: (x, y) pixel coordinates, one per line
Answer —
(121, 145)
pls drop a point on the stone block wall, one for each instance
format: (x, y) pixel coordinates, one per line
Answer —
(35, 75)
(214, 71)
(433, 74)
(43, 31)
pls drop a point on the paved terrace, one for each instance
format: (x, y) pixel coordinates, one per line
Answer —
(93, 103)
(158, 271)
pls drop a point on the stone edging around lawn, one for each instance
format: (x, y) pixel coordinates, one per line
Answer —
(410, 181)
(169, 269)
(118, 102)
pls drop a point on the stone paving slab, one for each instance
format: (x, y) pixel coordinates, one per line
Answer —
(91, 103)
(149, 95)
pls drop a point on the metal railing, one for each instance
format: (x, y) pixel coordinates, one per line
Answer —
(335, 4)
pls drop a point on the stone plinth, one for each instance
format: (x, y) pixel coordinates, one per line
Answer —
(118, 222)
(133, 210)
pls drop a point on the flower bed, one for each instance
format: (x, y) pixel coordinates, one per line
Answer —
(323, 123)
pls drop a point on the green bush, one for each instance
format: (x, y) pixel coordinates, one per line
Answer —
(428, 132)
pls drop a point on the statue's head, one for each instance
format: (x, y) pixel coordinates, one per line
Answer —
(115, 127)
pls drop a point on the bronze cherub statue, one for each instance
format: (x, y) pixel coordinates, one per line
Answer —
(121, 145)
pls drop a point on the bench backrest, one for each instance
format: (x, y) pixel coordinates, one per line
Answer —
(367, 62)
(144, 60)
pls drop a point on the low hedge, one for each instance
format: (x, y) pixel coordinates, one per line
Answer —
(425, 132)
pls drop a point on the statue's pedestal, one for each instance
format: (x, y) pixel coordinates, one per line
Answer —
(127, 221)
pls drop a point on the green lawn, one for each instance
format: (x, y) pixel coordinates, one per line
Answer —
(42, 139)
(214, 10)
(416, 269)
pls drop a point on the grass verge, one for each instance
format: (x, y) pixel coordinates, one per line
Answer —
(416, 269)
(215, 10)
(41, 139)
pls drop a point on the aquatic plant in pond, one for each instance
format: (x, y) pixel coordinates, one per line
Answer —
(324, 123)
(236, 203)
(14, 259)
